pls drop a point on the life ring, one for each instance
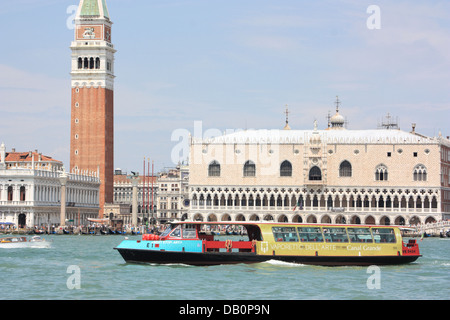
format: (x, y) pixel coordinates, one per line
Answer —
(228, 244)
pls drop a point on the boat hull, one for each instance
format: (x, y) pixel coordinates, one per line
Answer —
(215, 258)
(29, 244)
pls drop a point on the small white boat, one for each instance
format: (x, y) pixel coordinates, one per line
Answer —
(23, 242)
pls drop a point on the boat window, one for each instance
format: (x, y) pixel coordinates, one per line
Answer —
(359, 235)
(176, 232)
(383, 235)
(166, 231)
(310, 234)
(335, 235)
(189, 232)
(285, 234)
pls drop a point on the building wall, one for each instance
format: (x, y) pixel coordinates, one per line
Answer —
(403, 198)
(36, 197)
(92, 136)
(445, 178)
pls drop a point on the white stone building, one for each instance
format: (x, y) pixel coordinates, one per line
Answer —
(30, 191)
(385, 176)
(173, 194)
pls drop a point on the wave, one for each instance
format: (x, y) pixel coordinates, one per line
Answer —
(284, 263)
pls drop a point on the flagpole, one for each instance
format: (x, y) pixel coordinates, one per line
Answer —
(148, 187)
(143, 194)
(153, 165)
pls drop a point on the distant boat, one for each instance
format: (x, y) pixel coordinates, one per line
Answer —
(23, 242)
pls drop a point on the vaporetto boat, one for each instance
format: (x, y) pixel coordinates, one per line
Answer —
(313, 244)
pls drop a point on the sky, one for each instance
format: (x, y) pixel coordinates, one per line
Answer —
(207, 66)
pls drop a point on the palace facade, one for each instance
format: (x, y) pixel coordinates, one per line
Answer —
(384, 176)
(30, 191)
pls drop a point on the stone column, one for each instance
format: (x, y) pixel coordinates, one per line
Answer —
(63, 179)
(134, 211)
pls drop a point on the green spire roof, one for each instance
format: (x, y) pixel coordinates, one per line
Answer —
(94, 8)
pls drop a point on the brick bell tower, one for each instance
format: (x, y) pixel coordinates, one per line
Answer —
(92, 110)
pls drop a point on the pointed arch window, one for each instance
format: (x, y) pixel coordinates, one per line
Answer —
(214, 169)
(315, 174)
(420, 173)
(381, 173)
(249, 169)
(345, 169)
(286, 169)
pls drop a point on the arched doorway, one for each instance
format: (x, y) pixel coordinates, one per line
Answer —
(340, 219)
(415, 220)
(355, 220)
(212, 218)
(430, 220)
(198, 217)
(325, 219)
(370, 220)
(22, 220)
(385, 221)
(400, 221)
(226, 217)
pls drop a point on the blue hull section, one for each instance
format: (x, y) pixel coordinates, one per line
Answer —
(194, 246)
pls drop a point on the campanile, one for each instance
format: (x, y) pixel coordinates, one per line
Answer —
(92, 110)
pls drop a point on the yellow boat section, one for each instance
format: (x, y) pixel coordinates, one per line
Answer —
(329, 240)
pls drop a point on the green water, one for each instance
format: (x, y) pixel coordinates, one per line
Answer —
(102, 274)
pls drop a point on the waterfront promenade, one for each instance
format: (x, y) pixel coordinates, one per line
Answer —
(430, 229)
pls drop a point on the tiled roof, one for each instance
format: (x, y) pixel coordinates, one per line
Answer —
(27, 157)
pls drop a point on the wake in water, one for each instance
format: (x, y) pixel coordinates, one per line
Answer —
(284, 263)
